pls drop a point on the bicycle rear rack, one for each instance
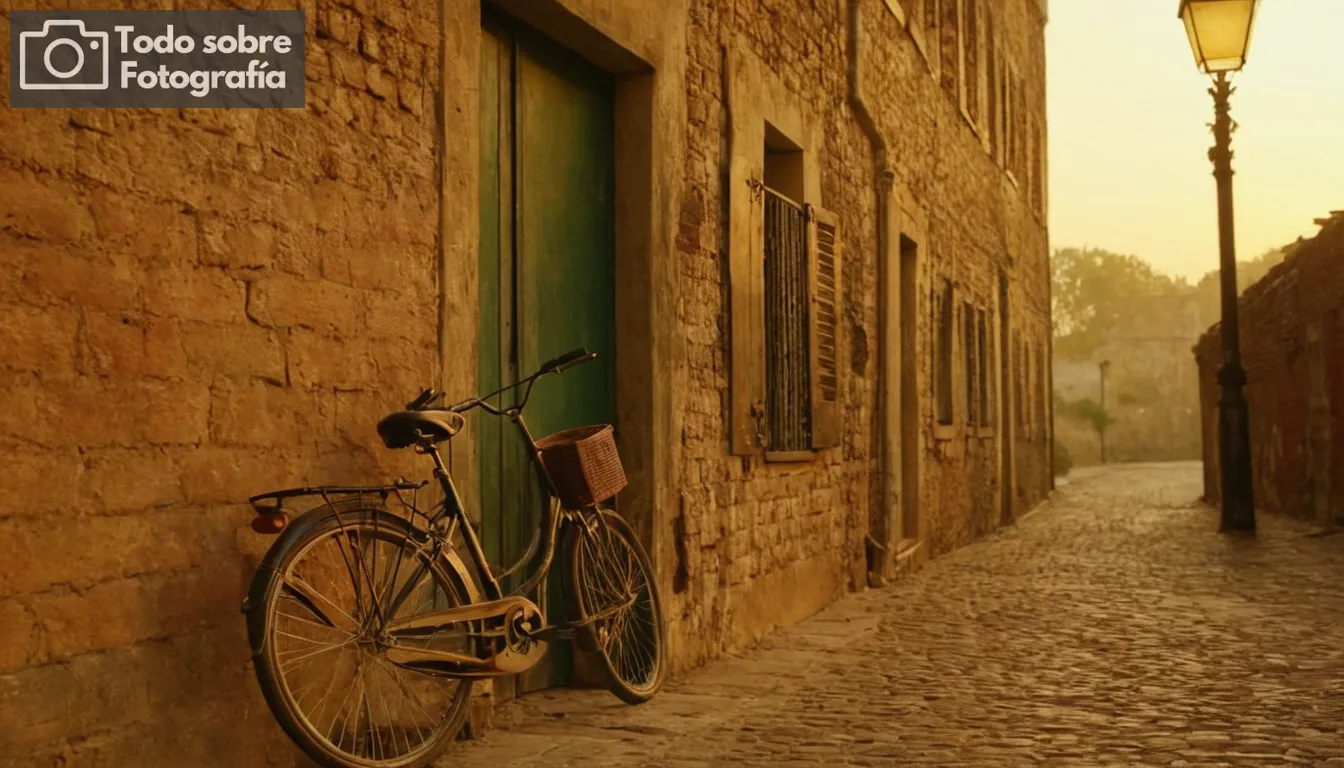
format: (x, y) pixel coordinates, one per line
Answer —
(272, 517)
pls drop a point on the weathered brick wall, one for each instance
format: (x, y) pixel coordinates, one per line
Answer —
(752, 531)
(1292, 346)
(743, 521)
(196, 306)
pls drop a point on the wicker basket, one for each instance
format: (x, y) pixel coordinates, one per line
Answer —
(583, 465)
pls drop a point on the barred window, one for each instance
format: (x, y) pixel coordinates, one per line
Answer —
(985, 366)
(971, 60)
(969, 354)
(786, 352)
(949, 32)
(944, 351)
(802, 294)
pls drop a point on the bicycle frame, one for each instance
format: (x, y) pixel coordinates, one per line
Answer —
(513, 616)
(544, 537)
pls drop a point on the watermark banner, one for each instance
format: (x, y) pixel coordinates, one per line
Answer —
(152, 59)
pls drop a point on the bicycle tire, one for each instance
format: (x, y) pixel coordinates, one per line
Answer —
(302, 532)
(589, 634)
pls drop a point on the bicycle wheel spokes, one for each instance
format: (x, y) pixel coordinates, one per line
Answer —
(613, 585)
(328, 645)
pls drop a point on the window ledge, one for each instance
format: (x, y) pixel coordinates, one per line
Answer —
(983, 432)
(789, 457)
(945, 431)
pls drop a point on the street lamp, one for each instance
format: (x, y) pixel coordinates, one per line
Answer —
(1220, 34)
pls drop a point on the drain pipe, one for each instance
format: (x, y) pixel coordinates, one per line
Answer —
(881, 543)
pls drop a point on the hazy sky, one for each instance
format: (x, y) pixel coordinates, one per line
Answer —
(1128, 115)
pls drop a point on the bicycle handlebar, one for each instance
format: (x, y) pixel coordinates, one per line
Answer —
(555, 365)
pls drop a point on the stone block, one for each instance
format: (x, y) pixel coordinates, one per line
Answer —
(39, 340)
(42, 207)
(18, 641)
(261, 414)
(152, 231)
(129, 479)
(236, 351)
(213, 474)
(107, 282)
(39, 139)
(42, 553)
(40, 480)
(316, 361)
(236, 244)
(188, 292)
(285, 301)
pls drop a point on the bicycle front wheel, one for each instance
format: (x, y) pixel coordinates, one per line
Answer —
(614, 596)
(322, 666)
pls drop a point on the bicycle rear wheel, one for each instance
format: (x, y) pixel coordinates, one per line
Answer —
(614, 597)
(321, 666)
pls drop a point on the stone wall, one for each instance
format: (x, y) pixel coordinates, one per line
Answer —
(1292, 346)
(196, 306)
(756, 531)
(199, 305)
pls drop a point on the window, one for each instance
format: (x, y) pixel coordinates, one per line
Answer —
(1019, 118)
(968, 355)
(1020, 372)
(984, 366)
(1005, 113)
(971, 61)
(1012, 129)
(1037, 167)
(949, 33)
(786, 351)
(944, 352)
(992, 69)
(928, 18)
(801, 303)
(1040, 393)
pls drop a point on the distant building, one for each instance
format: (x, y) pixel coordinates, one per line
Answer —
(1152, 388)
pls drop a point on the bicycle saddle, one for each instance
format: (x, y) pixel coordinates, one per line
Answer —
(398, 429)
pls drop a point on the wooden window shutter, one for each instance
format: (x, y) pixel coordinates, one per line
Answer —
(746, 326)
(824, 261)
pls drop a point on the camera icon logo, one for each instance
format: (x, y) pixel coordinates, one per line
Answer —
(64, 56)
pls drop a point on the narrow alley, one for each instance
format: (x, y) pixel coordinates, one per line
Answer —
(1112, 626)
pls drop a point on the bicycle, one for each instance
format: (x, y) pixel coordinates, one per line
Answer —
(607, 580)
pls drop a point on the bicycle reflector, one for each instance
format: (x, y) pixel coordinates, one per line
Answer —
(272, 522)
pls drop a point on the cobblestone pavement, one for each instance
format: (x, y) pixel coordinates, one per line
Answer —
(1113, 626)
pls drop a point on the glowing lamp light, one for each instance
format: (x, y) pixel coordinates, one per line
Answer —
(1219, 31)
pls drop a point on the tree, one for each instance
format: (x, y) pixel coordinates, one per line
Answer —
(1093, 292)
(1248, 273)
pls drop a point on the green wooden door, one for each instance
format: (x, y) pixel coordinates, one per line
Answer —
(546, 274)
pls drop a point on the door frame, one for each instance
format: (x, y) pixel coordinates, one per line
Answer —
(643, 47)
(1005, 405)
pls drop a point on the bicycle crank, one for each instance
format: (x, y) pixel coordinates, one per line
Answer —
(515, 618)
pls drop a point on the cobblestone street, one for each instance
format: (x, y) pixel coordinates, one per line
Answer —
(1112, 626)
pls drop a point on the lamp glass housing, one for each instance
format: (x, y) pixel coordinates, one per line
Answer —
(1219, 32)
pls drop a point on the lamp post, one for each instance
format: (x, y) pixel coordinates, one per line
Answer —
(1102, 367)
(1220, 35)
